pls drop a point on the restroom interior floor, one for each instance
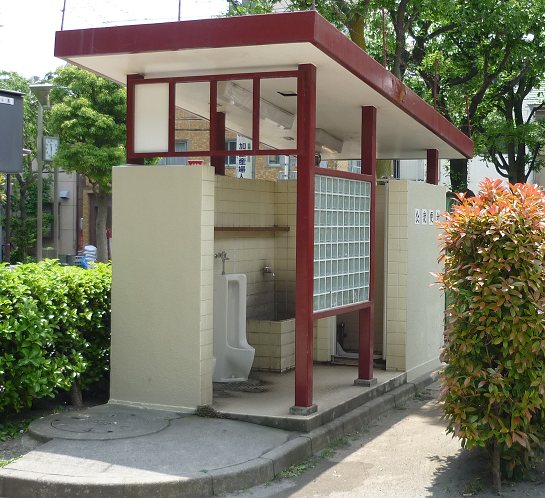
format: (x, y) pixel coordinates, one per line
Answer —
(272, 394)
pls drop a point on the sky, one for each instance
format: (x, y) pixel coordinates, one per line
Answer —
(27, 27)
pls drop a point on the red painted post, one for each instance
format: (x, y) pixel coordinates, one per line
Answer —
(218, 161)
(366, 315)
(130, 119)
(306, 138)
(432, 169)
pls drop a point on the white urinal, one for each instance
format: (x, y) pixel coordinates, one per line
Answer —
(234, 356)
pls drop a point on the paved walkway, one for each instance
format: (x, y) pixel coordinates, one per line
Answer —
(119, 452)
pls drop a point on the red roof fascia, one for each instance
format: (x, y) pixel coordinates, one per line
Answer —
(264, 29)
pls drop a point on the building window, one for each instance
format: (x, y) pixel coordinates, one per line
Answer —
(274, 161)
(231, 161)
(354, 166)
(179, 146)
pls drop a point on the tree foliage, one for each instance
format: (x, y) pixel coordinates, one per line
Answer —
(54, 330)
(24, 199)
(483, 52)
(89, 115)
(493, 384)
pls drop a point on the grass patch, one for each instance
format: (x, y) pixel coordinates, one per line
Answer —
(328, 453)
(3, 463)
(473, 488)
(297, 470)
(11, 430)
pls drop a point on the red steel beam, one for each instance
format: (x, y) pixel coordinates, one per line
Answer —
(306, 138)
(131, 78)
(171, 117)
(218, 161)
(366, 315)
(432, 169)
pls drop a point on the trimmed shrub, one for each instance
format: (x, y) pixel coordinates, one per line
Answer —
(54, 330)
(493, 385)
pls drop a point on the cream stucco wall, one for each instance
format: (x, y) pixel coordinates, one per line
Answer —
(162, 289)
(415, 310)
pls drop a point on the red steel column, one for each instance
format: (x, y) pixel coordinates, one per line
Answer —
(366, 315)
(219, 137)
(306, 138)
(432, 170)
(130, 119)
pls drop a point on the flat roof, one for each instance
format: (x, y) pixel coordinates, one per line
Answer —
(347, 77)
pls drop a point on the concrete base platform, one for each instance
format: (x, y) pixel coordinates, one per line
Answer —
(181, 457)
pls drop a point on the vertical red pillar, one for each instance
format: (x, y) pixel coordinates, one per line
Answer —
(130, 119)
(217, 131)
(366, 315)
(432, 169)
(218, 161)
(306, 139)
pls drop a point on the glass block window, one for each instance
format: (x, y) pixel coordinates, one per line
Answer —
(342, 242)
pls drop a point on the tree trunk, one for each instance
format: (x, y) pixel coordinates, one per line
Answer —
(496, 472)
(76, 397)
(356, 29)
(102, 217)
(458, 175)
(385, 168)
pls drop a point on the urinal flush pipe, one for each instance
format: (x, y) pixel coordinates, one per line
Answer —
(267, 269)
(224, 258)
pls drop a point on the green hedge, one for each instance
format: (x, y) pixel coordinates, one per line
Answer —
(54, 329)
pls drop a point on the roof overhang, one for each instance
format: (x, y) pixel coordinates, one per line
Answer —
(347, 78)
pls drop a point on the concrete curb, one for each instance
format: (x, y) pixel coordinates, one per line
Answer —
(299, 449)
(24, 484)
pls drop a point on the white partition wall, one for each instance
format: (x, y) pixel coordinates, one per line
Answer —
(162, 289)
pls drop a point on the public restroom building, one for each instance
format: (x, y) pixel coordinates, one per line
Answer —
(337, 242)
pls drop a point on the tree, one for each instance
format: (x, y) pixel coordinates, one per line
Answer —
(89, 115)
(511, 138)
(476, 46)
(24, 198)
(493, 384)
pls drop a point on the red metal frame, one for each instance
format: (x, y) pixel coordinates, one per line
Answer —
(272, 29)
(339, 311)
(131, 159)
(217, 147)
(344, 174)
(432, 168)
(304, 323)
(217, 142)
(366, 315)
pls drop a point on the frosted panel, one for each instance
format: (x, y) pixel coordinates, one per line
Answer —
(342, 242)
(151, 117)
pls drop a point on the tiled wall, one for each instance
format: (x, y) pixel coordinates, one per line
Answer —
(207, 288)
(396, 298)
(259, 203)
(274, 343)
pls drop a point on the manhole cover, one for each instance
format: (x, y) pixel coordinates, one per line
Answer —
(98, 423)
(101, 423)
